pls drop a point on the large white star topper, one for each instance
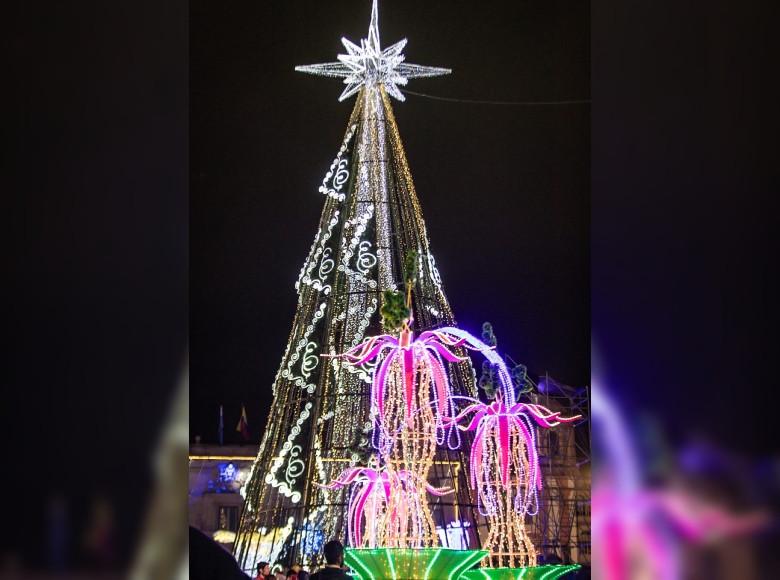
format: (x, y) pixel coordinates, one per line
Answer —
(368, 64)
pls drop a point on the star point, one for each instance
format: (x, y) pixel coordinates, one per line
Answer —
(368, 64)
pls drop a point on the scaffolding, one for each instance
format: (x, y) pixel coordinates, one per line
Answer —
(561, 529)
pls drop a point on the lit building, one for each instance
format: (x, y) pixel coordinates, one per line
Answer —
(217, 473)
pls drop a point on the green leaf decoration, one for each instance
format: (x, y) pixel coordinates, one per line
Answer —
(487, 381)
(519, 374)
(394, 311)
(488, 336)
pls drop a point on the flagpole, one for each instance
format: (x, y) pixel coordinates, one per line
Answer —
(221, 426)
(243, 424)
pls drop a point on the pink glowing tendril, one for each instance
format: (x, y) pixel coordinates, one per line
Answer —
(377, 492)
(504, 423)
(431, 348)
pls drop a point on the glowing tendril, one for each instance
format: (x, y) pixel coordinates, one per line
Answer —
(508, 433)
(378, 501)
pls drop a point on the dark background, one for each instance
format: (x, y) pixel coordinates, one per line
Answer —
(504, 189)
(93, 332)
(684, 267)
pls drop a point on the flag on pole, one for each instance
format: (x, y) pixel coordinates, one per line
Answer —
(221, 426)
(243, 424)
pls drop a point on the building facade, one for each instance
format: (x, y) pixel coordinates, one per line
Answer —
(216, 475)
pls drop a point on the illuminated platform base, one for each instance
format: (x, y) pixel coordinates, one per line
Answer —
(548, 572)
(410, 564)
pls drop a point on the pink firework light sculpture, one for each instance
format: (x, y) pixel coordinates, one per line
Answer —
(504, 464)
(429, 349)
(504, 432)
(378, 500)
(410, 400)
(409, 355)
(412, 403)
(504, 421)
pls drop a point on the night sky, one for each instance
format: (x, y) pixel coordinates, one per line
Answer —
(504, 189)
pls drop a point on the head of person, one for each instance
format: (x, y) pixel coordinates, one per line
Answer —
(295, 568)
(264, 568)
(334, 553)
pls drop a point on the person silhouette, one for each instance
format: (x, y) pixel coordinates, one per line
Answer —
(334, 562)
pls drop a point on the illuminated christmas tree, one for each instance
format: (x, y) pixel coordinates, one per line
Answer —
(377, 434)
(320, 422)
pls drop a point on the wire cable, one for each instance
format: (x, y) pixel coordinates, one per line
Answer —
(518, 103)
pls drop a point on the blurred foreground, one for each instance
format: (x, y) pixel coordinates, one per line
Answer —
(664, 513)
(89, 549)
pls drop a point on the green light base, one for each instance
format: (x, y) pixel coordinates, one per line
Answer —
(546, 572)
(410, 563)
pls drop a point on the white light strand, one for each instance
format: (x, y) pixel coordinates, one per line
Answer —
(338, 170)
(285, 487)
(325, 264)
(305, 351)
(360, 223)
